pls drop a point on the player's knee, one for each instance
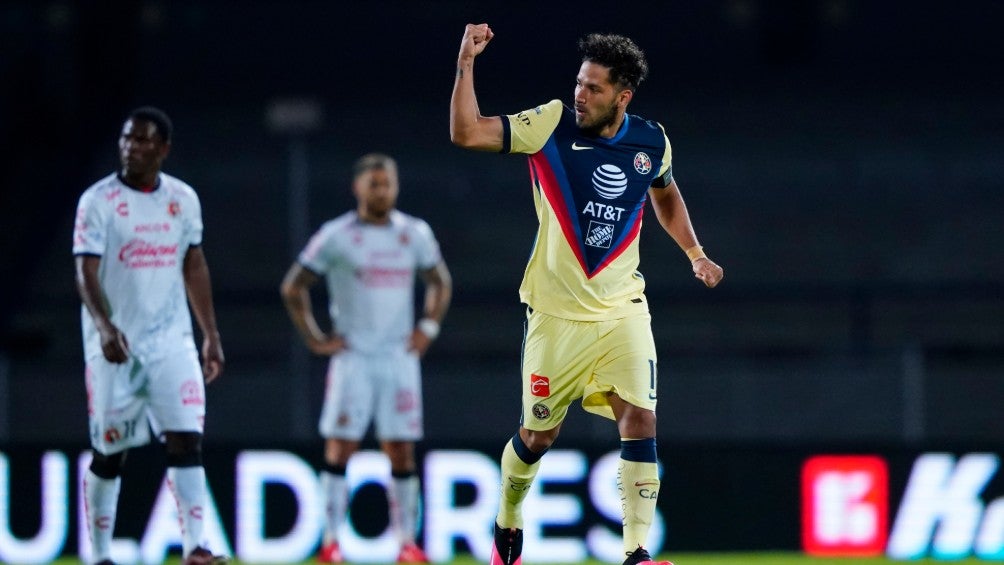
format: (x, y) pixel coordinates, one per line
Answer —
(637, 423)
(108, 466)
(539, 442)
(184, 449)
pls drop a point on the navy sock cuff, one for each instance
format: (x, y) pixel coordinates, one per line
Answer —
(639, 450)
(523, 452)
(402, 474)
(189, 459)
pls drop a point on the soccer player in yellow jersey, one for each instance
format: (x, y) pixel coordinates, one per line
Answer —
(588, 329)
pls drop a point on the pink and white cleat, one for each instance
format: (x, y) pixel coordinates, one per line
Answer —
(508, 546)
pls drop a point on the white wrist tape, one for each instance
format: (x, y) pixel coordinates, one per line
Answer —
(429, 327)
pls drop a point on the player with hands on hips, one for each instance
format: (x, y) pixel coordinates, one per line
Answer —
(369, 258)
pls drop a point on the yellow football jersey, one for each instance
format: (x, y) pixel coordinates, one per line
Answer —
(589, 193)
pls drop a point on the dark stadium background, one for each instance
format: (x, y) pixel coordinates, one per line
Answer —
(842, 160)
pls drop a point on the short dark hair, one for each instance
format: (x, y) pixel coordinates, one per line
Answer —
(622, 56)
(372, 161)
(157, 117)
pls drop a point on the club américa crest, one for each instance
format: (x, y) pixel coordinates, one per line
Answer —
(642, 163)
(540, 411)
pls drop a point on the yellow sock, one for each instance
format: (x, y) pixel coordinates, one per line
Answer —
(638, 483)
(517, 476)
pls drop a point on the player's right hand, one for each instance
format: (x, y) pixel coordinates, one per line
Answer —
(114, 345)
(329, 346)
(476, 38)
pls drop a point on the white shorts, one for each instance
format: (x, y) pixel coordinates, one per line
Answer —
(169, 393)
(361, 387)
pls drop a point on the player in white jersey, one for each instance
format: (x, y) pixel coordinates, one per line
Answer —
(139, 261)
(370, 257)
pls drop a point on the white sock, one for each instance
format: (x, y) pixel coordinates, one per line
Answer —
(189, 487)
(101, 498)
(336, 502)
(402, 498)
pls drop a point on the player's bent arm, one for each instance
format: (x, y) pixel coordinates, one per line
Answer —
(199, 285)
(295, 291)
(468, 128)
(483, 134)
(438, 291)
(672, 214)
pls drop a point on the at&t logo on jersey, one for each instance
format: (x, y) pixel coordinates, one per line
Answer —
(609, 181)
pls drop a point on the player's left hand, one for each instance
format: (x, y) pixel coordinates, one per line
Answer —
(419, 342)
(708, 272)
(212, 359)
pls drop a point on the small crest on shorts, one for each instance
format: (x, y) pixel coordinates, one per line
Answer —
(190, 393)
(112, 435)
(540, 411)
(405, 401)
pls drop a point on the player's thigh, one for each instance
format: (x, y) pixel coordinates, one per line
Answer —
(398, 401)
(627, 364)
(116, 405)
(348, 397)
(556, 366)
(177, 393)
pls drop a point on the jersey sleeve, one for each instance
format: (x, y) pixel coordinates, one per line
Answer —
(666, 172)
(319, 256)
(427, 250)
(528, 131)
(193, 221)
(91, 225)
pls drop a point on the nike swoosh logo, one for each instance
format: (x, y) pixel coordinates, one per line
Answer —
(577, 147)
(641, 484)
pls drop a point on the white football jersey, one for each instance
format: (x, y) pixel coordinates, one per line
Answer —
(370, 271)
(142, 238)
